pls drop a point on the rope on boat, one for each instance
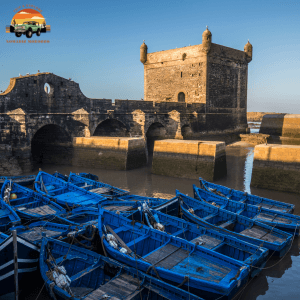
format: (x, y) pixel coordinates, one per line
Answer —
(186, 279)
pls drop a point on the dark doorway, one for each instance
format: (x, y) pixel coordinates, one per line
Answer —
(111, 127)
(181, 97)
(155, 132)
(186, 132)
(51, 144)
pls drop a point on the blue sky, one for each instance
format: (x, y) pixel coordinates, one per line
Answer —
(96, 43)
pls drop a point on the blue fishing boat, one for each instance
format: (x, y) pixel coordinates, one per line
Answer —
(8, 217)
(172, 259)
(170, 205)
(252, 255)
(22, 180)
(73, 273)
(96, 187)
(28, 257)
(246, 198)
(60, 176)
(65, 193)
(229, 223)
(84, 175)
(35, 231)
(28, 204)
(283, 221)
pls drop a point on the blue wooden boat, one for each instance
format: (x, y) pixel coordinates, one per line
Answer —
(172, 259)
(22, 180)
(246, 198)
(60, 176)
(28, 204)
(65, 193)
(229, 223)
(28, 257)
(283, 221)
(8, 217)
(252, 255)
(87, 275)
(84, 175)
(96, 187)
(35, 231)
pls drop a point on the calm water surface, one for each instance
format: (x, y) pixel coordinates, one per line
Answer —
(280, 279)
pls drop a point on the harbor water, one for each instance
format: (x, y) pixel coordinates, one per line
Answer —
(279, 279)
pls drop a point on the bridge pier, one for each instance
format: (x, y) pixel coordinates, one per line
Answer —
(116, 153)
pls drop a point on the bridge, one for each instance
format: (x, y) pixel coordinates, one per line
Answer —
(41, 114)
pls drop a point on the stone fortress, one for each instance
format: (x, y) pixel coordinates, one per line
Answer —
(195, 92)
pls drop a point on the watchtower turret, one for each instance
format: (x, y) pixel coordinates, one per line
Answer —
(248, 49)
(206, 40)
(143, 53)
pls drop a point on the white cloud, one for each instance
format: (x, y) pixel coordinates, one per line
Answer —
(24, 12)
(36, 17)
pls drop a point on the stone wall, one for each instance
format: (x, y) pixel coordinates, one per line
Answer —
(189, 159)
(277, 167)
(285, 125)
(26, 108)
(109, 152)
(257, 116)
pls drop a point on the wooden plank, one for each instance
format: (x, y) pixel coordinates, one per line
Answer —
(167, 257)
(41, 210)
(263, 234)
(118, 288)
(36, 233)
(207, 241)
(101, 190)
(116, 207)
(79, 292)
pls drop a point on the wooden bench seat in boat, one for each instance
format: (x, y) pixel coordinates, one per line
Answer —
(261, 233)
(121, 287)
(207, 241)
(101, 190)
(272, 218)
(40, 210)
(228, 224)
(209, 217)
(116, 207)
(166, 256)
(35, 233)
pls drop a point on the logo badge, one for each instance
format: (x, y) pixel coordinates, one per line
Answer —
(28, 22)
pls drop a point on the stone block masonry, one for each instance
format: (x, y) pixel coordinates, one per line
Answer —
(277, 167)
(109, 152)
(189, 159)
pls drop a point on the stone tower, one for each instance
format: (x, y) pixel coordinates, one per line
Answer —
(207, 73)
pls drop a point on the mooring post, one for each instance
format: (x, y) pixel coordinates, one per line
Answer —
(15, 246)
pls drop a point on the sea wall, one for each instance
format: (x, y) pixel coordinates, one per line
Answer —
(189, 159)
(277, 167)
(109, 152)
(286, 125)
(258, 116)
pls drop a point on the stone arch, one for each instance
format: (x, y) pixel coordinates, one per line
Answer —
(156, 131)
(51, 143)
(111, 127)
(186, 132)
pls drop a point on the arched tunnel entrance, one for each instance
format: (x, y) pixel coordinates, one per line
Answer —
(155, 132)
(111, 127)
(51, 144)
